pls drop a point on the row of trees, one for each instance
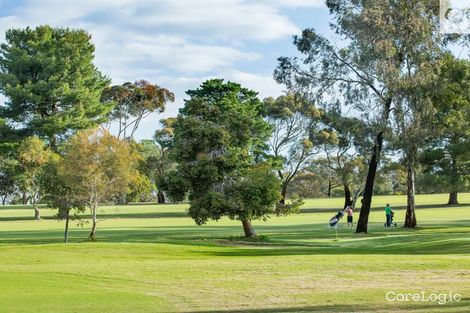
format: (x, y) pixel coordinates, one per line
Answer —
(390, 101)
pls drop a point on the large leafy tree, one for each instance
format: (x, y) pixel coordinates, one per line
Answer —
(219, 139)
(376, 38)
(97, 167)
(133, 102)
(447, 158)
(51, 84)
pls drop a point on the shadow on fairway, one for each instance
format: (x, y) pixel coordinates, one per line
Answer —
(388, 307)
(107, 216)
(275, 240)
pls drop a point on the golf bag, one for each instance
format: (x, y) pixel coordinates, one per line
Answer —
(391, 221)
(335, 219)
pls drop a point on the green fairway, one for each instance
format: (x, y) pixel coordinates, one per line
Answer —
(152, 258)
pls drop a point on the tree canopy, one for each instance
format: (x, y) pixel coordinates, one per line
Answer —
(219, 140)
(51, 84)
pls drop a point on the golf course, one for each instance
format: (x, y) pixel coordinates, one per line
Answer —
(153, 258)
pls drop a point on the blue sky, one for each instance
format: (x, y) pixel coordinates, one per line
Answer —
(179, 43)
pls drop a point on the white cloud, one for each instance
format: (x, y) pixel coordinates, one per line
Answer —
(175, 43)
(220, 19)
(263, 84)
(301, 3)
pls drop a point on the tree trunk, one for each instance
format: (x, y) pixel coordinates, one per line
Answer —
(53, 143)
(454, 181)
(329, 188)
(161, 197)
(453, 198)
(248, 229)
(4, 200)
(92, 236)
(66, 232)
(37, 214)
(363, 221)
(283, 193)
(24, 199)
(410, 219)
(347, 196)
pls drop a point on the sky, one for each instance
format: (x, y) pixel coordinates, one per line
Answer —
(178, 44)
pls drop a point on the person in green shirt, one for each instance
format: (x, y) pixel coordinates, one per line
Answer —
(388, 214)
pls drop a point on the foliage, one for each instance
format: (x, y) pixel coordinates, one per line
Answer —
(447, 158)
(344, 152)
(219, 143)
(133, 102)
(97, 167)
(8, 177)
(51, 84)
(32, 157)
(386, 52)
(140, 188)
(295, 122)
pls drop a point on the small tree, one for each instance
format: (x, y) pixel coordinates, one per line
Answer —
(59, 194)
(33, 155)
(219, 139)
(97, 167)
(133, 102)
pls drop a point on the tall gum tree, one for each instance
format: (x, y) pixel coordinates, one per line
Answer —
(132, 103)
(295, 123)
(376, 36)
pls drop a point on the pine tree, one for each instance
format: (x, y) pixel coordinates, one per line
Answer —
(51, 84)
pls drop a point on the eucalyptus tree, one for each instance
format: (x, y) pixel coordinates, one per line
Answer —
(295, 122)
(51, 84)
(380, 39)
(133, 102)
(345, 155)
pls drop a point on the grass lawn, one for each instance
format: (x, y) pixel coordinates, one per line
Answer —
(152, 258)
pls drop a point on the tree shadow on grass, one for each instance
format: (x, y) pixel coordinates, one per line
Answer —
(380, 208)
(387, 307)
(276, 241)
(110, 215)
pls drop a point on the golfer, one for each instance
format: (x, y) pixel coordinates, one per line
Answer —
(350, 212)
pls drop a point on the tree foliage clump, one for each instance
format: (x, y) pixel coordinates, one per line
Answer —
(133, 102)
(219, 145)
(52, 86)
(97, 167)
